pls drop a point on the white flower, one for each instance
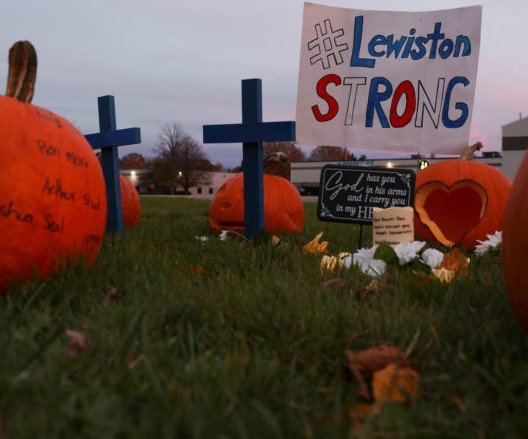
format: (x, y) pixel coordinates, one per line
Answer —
(374, 267)
(409, 251)
(364, 259)
(202, 238)
(493, 241)
(223, 235)
(432, 257)
(364, 255)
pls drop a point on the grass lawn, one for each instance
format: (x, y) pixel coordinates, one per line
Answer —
(225, 339)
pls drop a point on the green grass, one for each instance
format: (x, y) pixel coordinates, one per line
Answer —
(255, 346)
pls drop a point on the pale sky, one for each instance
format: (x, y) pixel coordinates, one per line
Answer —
(183, 60)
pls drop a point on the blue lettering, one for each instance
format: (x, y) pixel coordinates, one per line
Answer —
(466, 42)
(394, 46)
(434, 37)
(409, 44)
(446, 49)
(377, 40)
(356, 60)
(420, 44)
(463, 108)
(374, 101)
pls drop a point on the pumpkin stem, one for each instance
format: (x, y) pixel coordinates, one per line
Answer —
(273, 162)
(469, 152)
(22, 71)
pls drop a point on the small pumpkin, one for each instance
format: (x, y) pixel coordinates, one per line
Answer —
(52, 190)
(515, 245)
(283, 206)
(458, 202)
(130, 202)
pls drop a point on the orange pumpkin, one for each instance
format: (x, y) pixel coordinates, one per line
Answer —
(130, 201)
(52, 197)
(515, 245)
(283, 206)
(458, 202)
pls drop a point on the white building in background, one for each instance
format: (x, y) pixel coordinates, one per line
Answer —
(210, 184)
(306, 175)
(514, 145)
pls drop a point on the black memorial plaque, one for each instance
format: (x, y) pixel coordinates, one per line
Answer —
(348, 194)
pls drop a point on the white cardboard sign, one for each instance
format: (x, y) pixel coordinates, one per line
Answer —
(394, 225)
(400, 81)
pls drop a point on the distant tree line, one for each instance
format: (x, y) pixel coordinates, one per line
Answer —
(180, 163)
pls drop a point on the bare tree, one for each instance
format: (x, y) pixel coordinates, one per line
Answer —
(133, 160)
(180, 160)
(324, 153)
(293, 152)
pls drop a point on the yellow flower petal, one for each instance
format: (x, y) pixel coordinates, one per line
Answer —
(330, 263)
(315, 247)
(443, 275)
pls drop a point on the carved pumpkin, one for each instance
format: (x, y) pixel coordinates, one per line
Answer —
(458, 202)
(52, 197)
(130, 202)
(283, 206)
(515, 245)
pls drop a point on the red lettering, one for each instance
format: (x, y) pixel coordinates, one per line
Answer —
(405, 88)
(333, 106)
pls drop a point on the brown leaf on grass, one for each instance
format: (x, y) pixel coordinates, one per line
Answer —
(338, 285)
(113, 294)
(422, 277)
(456, 261)
(395, 383)
(373, 287)
(196, 269)
(458, 403)
(362, 364)
(77, 342)
(315, 247)
(375, 358)
(358, 414)
(275, 240)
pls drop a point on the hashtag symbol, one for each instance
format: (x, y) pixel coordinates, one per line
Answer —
(325, 45)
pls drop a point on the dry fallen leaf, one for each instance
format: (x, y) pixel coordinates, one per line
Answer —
(455, 261)
(369, 360)
(195, 269)
(315, 247)
(422, 277)
(395, 383)
(375, 358)
(113, 293)
(77, 342)
(443, 275)
(358, 414)
(275, 240)
(337, 284)
(373, 287)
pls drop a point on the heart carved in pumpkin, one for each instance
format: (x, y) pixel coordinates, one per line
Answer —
(450, 212)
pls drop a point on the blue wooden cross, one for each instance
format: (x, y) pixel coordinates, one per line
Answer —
(252, 132)
(107, 140)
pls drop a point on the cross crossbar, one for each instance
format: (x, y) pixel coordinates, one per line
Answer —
(108, 139)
